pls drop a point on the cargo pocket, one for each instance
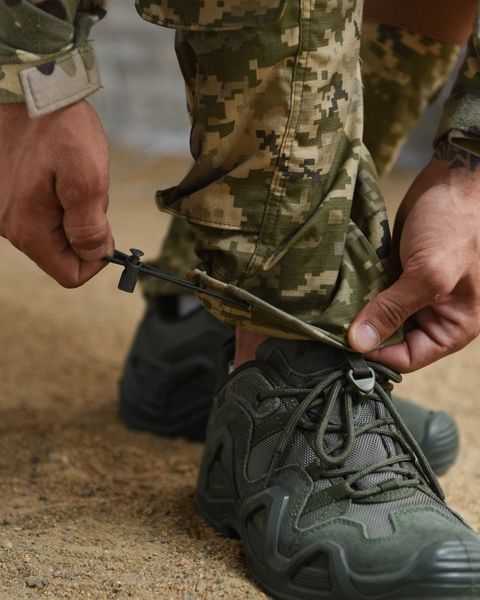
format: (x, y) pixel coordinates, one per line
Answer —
(210, 15)
(229, 67)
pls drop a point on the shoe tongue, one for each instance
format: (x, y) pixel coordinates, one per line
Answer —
(298, 361)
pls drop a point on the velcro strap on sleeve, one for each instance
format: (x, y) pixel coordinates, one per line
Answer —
(61, 81)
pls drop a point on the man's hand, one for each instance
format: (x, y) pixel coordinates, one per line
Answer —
(54, 178)
(437, 247)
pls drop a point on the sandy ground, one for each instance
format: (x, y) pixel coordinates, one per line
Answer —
(89, 509)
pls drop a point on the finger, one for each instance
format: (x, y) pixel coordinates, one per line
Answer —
(83, 193)
(88, 232)
(55, 256)
(415, 352)
(434, 336)
(388, 311)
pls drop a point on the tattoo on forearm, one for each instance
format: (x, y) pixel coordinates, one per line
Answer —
(457, 158)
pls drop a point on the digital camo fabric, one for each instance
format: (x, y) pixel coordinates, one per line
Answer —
(198, 15)
(402, 73)
(283, 197)
(177, 257)
(46, 59)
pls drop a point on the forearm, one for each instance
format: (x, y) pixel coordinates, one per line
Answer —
(46, 59)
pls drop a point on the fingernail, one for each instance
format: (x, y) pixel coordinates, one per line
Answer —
(366, 337)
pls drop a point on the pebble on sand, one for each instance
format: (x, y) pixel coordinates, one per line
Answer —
(35, 582)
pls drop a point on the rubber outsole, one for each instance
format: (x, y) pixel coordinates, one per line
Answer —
(444, 571)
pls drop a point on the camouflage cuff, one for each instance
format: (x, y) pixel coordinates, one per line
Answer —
(262, 317)
(52, 82)
(461, 114)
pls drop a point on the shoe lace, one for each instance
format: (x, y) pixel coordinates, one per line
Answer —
(343, 386)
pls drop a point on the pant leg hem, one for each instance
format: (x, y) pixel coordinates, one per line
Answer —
(260, 316)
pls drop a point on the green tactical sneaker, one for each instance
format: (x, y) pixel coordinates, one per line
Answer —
(168, 382)
(309, 462)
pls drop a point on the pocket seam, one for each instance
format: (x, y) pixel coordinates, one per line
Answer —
(249, 20)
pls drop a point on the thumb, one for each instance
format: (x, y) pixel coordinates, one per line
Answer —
(88, 231)
(388, 311)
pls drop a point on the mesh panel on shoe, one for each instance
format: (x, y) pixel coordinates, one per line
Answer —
(376, 517)
(261, 457)
(370, 448)
(300, 452)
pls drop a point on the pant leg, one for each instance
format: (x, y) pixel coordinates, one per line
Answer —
(403, 71)
(282, 197)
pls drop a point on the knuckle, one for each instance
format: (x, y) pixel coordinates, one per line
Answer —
(88, 236)
(458, 338)
(438, 286)
(457, 343)
(437, 279)
(93, 185)
(468, 329)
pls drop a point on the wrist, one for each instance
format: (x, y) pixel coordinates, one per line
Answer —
(455, 156)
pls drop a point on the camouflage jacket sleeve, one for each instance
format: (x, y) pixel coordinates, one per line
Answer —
(460, 122)
(46, 59)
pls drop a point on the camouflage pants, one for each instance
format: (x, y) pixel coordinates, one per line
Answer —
(282, 202)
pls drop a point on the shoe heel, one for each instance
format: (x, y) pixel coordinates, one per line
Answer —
(222, 521)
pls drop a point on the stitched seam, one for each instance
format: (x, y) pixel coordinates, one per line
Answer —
(384, 540)
(91, 86)
(271, 199)
(196, 221)
(248, 22)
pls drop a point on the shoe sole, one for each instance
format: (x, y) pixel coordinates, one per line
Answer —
(193, 431)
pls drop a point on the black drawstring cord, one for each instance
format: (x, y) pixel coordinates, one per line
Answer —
(133, 266)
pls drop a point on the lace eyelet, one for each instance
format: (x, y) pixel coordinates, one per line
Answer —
(365, 385)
